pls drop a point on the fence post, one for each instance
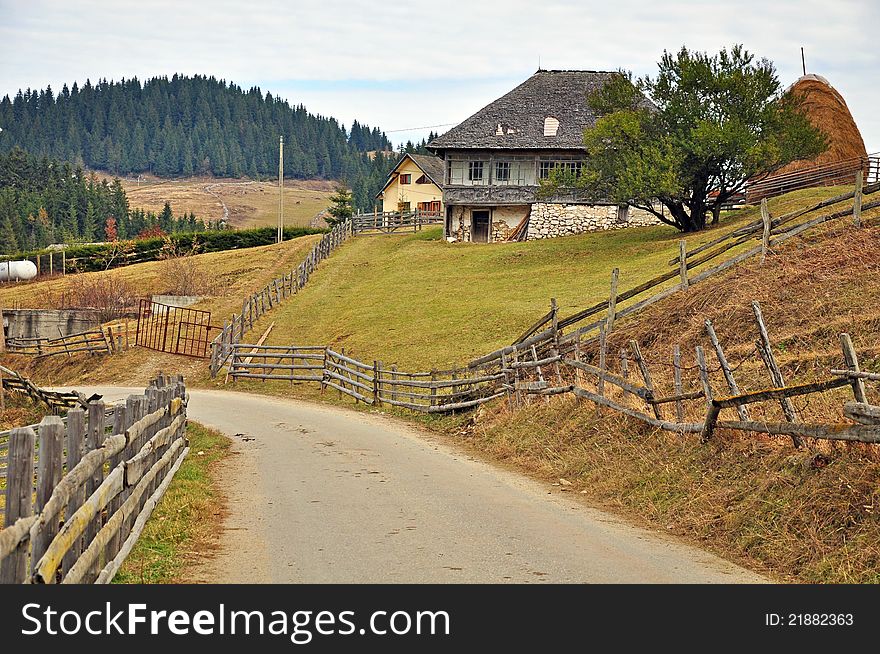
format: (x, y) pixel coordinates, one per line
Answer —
(19, 499)
(711, 410)
(624, 364)
(857, 198)
(94, 440)
(48, 476)
(852, 363)
(682, 263)
(394, 379)
(376, 399)
(765, 218)
(766, 351)
(646, 375)
(676, 375)
(600, 383)
(725, 368)
(612, 301)
(120, 424)
(76, 428)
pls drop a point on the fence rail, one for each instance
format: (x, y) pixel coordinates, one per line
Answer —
(275, 292)
(93, 341)
(830, 174)
(394, 221)
(95, 487)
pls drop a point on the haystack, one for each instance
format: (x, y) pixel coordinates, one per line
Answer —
(827, 110)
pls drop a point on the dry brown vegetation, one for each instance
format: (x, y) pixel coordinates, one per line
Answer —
(808, 514)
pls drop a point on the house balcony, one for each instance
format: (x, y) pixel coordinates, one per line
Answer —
(491, 195)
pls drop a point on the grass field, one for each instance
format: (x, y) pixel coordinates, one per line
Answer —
(422, 303)
(185, 523)
(249, 203)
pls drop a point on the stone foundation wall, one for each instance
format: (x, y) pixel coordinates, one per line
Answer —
(552, 220)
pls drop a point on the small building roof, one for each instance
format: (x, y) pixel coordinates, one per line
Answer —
(517, 120)
(429, 164)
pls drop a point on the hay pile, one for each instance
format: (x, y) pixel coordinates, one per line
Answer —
(827, 110)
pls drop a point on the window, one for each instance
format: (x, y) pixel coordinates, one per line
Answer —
(432, 207)
(403, 207)
(551, 126)
(502, 171)
(475, 171)
(423, 180)
(544, 168)
(405, 178)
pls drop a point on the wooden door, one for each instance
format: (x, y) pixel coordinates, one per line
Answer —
(480, 226)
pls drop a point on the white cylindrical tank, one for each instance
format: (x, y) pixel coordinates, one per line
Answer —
(13, 271)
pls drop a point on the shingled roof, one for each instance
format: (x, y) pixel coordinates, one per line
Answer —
(429, 164)
(516, 120)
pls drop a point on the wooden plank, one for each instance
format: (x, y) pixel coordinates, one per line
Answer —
(638, 391)
(51, 436)
(852, 363)
(682, 266)
(676, 381)
(632, 413)
(857, 198)
(843, 432)
(765, 220)
(19, 501)
(867, 414)
(646, 375)
(76, 429)
(742, 411)
(766, 350)
(612, 301)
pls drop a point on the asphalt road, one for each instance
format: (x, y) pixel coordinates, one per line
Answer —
(321, 494)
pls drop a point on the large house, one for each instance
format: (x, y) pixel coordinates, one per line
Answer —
(494, 161)
(415, 184)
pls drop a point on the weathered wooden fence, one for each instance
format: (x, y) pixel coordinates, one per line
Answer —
(93, 341)
(830, 174)
(10, 380)
(99, 475)
(390, 222)
(273, 293)
(769, 231)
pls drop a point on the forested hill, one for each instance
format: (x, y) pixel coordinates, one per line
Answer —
(184, 126)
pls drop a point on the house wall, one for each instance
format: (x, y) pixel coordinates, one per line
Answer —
(412, 193)
(504, 220)
(549, 220)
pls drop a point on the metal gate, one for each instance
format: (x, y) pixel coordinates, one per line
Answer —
(177, 330)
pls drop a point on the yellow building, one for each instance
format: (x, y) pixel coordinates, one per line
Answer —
(416, 183)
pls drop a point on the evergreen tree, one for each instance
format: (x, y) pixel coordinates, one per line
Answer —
(341, 208)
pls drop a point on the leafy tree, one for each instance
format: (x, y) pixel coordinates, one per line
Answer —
(712, 123)
(341, 208)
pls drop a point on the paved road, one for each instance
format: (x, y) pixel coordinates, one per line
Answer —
(320, 494)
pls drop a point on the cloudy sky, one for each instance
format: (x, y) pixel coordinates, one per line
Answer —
(408, 64)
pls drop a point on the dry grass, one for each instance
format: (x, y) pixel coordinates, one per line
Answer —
(250, 203)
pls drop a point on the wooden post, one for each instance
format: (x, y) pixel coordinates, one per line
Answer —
(725, 368)
(538, 370)
(2, 334)
(600, 383)
(624, 364)
(509, 392)
(676, 374)
(377, 397)
(766, 351)
(394, 386)
(646, 375)
(76, 429)
(852, 364)
(765, 218)
(682, 263)
(857, 198)
(121, 422)
(554, 320)
(19, 499)
(711, 410)
(578, 374)
(94, 440)
(63, 262)
(433, 388)
(2, 394)
(48, 475)
(518, 393)
(612, 301)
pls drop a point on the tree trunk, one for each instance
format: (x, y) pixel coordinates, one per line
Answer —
(716, 213)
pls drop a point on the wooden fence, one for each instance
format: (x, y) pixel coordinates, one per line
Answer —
(394, 221)
(523, 373)
(768, 231)
(10, 380)
(438, 391)
(99, 475)
(830, 174)
(273, 293)
(93, 341)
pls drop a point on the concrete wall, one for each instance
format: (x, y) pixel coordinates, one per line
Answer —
(412, 192)
(45, 323)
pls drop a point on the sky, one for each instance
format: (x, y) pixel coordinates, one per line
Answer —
(409, 66)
